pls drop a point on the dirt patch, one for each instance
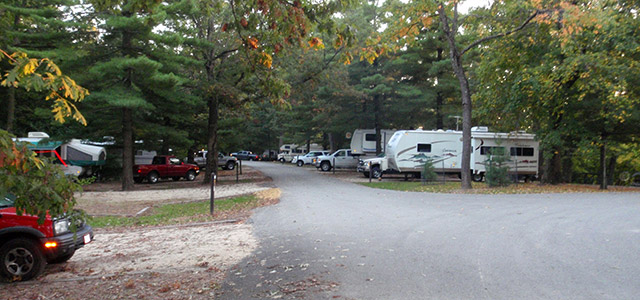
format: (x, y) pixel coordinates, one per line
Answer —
(162, 262)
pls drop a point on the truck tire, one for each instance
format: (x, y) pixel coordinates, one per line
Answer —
(377, 173)
(300, 163)
(191, 175)
(281, 160)
(477, 177)
(325, 166)
(21, 259)
(230, 165)
(153, 177)
(61, 259)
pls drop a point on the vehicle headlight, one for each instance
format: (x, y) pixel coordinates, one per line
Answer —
(61, 226)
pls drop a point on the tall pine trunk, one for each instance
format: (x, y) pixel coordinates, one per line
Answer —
(127, 149)
(603, 166)
(212, 139)
(11, 108)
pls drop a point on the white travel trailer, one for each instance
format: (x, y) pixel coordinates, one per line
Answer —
(363, 141)
(288, 151)
(76, 158)
(408, 150)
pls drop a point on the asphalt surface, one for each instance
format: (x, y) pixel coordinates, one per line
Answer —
(329, 239)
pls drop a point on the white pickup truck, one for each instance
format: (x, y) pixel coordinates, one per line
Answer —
(343, 159)
(379, 165)
(307, 159)
(225, 162)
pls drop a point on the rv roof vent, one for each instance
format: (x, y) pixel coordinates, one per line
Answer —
(480, 128)
(37, 134)
(440, 130)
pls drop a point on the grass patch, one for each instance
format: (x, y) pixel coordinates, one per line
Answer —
(182, 213)
(483, 188)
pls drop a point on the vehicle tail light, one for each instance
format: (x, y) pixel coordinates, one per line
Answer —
(51, 244)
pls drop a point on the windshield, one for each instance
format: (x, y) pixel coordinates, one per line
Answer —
(6, 201)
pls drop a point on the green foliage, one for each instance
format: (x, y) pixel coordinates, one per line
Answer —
(40, 187)
(428, 172)
(497, 169)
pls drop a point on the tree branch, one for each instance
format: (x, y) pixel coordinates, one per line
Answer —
(522, 26)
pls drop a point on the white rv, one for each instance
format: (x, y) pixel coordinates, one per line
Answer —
(363, 141)
(76, 158)
(288, 151)
(408, 150)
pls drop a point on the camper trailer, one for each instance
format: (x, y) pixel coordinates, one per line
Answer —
(409, 150)
(289, 151)
(363, 141)
(77, 159)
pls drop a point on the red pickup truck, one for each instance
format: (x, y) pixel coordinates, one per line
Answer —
(165, 166)
(26, 246)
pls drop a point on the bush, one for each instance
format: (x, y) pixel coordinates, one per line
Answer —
(428, 173)
(497, 173)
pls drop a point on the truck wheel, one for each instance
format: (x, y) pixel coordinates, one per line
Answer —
(376, 172)
(153, 177)
(191, 175)
(281, 160)
(325, 166)
(231, 165)
(21, 259)
(477, 177)
(61, 259)
(300, 163)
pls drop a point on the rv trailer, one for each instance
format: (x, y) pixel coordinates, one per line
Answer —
(289, 151)
(363, 141)
(76, 158)
(409, 150)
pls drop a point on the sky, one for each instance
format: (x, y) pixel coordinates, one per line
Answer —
(466, 5)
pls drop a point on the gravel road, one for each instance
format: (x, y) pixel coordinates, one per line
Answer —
(333, 239)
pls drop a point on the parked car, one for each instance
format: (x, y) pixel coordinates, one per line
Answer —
(165, 166)
(269, 155)
(307, 159)
(26, 246)
(245, 155)
(343, 158)
(225, 162)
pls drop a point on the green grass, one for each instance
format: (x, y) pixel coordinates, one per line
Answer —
(179, 213)
(483, 188)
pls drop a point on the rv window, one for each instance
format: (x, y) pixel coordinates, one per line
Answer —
(174, 161)
(424, 147)
(370, 137)
(340, 153)
(520, 151)
(287, 147)
(491, 150)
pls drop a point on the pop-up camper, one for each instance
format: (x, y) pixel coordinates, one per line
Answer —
(408, 150)
(363, 141)
(76, 158)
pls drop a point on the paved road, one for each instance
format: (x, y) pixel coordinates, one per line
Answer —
(331, 239)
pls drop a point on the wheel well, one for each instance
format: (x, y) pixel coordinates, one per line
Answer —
(24, 233)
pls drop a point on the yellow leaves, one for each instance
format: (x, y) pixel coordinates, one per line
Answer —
(266, 59)
(316, 43)
(339, 41)
(426, 21)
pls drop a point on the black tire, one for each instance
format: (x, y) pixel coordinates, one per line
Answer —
(138, 179)
(230, 165)
(325, 166)
(281, 160)
(21, 259)
(191, 175)
(477, 177)
(61, 259)
(153, 177)
(376, 172)
(300, 163)
(176, 178)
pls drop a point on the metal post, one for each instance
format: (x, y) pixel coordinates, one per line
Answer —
(444, 174)
(237, 168)
(370, 172)
(213, 192)
(240, 166)
(334, 165)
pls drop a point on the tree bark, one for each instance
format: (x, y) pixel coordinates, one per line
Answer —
(603, 166)
(127, 149)
(212, 140)
(376, 122)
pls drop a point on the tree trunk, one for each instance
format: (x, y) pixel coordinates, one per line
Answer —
(11, 108)
(612, 169)
(603, 166)
(376, 123)
(212, 140)
(439, 100)
(127, 149)
(332, 144)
